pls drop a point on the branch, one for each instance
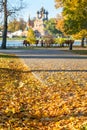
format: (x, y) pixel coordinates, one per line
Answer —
(16, 9)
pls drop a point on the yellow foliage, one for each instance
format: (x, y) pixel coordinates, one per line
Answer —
(31, 36)
(81, 34)
(60, 24)
(62, 105)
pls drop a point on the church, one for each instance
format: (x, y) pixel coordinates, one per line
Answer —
(38, 24)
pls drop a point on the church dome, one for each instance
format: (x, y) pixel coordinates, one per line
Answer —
(42, 10)
(38, 12)
(46, 12)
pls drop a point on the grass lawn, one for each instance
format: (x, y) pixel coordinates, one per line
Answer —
(26, 104)
(81, 52)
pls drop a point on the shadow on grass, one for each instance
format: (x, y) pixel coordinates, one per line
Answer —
(43, 56)
(81, 52)
(7, 56)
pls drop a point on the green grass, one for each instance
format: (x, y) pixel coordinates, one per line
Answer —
(2, 55)
(81, 52)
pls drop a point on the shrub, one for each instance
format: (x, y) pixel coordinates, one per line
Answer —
(31, 36)
(59, 41)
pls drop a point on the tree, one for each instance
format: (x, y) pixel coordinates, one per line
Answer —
(60, 24)
(22, 24)
(13, 26)
(81, 35)
(74, 13)
(59, 3)
(50, 26)
(16, 25)
(31, 36)
(76, 20)
(6, 12)
(3, 46)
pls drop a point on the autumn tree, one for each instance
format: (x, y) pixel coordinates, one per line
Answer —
(16, 25)
(60, 24)
(75, 18)
(31, 36)
(6, 13)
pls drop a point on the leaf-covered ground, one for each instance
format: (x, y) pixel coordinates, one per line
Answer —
(26, 104)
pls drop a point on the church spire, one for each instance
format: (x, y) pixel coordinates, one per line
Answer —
(29, 18)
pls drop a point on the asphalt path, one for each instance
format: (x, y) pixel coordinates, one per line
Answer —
(50, 59)
(46, 62)
(43, 53)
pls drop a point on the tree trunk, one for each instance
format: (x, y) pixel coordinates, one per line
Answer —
(82, 42)
(4, 38)
(70, 46)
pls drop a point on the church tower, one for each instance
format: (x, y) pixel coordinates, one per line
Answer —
(30, 23)
(39, 26)
(42, 14)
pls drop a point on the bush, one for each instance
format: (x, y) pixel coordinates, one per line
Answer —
(59, 41)
(31, 36)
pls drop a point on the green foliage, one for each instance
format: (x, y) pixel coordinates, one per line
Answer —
(81, 52)
(50, 26)
(74, 12)
(75, 16)
(31, 36)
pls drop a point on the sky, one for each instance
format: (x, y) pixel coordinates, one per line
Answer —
(32, 6)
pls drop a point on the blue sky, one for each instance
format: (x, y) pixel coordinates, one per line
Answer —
(32, 6)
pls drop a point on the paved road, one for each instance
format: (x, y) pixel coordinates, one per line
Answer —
(50, 62)
(52, 59)
(43, 53)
